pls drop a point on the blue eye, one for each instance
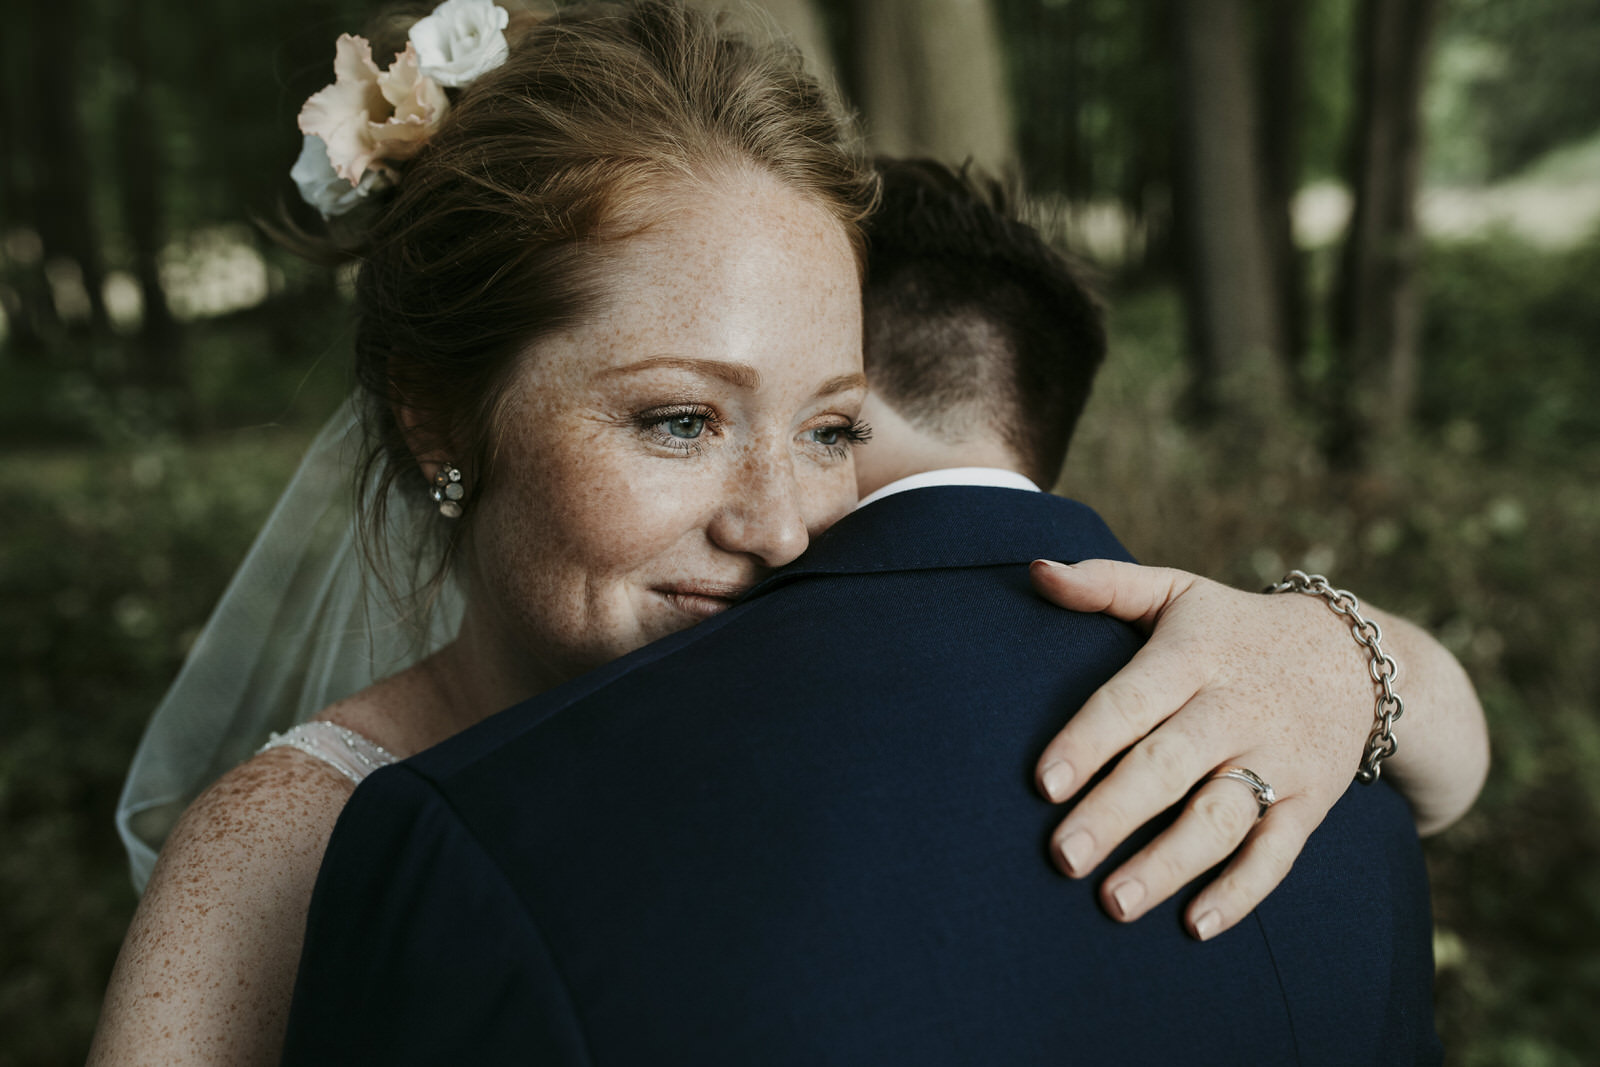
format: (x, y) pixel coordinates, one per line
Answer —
(681, 428)
(686, 427)
(828, 435)
(838, 440)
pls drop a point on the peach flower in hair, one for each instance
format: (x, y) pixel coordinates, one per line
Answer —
(369, 117)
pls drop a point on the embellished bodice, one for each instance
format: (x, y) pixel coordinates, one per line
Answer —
(341, 748)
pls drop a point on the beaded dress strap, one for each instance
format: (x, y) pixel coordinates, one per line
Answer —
(341, 748)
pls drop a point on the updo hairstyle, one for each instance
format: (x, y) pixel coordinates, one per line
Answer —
(497, 232)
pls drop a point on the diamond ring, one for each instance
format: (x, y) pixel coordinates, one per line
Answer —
(1265, 797)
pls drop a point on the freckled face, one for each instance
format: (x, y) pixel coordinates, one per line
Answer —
(658, 460)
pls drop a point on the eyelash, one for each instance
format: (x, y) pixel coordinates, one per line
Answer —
(856, 433)
(654, 424)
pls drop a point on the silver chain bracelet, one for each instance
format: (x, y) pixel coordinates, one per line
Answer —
(1388, 707)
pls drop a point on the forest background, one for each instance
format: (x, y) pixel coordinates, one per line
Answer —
(1353, 256)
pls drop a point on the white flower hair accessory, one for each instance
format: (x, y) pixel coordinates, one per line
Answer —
(461, 40)
(368, 120)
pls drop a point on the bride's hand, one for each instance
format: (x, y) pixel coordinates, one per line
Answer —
(1272, 683)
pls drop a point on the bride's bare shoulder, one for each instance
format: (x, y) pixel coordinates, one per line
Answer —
(207, 968)
(280, 800)
(208, 965)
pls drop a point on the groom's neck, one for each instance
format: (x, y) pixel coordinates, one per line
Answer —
(900, 448)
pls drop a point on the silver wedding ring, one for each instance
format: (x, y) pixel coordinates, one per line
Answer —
(1265, 797)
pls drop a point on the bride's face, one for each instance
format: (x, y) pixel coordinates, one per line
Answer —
(656, 461)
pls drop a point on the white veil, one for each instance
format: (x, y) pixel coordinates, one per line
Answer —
(297, 629)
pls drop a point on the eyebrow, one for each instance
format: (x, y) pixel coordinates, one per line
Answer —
(842, 383)
(740, 374)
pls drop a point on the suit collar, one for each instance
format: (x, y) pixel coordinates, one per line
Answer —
(954, 526)
(994, 477)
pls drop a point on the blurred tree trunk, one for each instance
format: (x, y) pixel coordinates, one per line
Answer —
(30, 313)
(63, 209)
(1376, 312)
(1234, 328)
(1282, 93)
(139, 173)
(1077, 165)
(1151, 182)
(932, 81)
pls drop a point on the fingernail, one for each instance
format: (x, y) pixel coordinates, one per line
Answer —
(1207, 925)
(1127, 896)
(1057, 780)
(1050, 563)
(1075, 851)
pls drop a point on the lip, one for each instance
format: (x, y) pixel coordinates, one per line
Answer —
(702, 600)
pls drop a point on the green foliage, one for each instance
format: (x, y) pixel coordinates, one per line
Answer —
(1329, 67)
(225, 148)
(1091, 89)
(258, 366)
(1530, 80)
(1093, 92)
(1508, 345)
(105, 576)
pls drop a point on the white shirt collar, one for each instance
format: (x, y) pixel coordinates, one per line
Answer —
(990, 477)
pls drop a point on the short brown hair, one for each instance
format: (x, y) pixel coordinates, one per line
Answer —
(496, 234)
(969, 310)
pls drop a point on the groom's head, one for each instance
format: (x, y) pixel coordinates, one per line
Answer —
(981, 340)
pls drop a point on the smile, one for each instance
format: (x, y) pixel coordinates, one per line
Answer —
(702, 600)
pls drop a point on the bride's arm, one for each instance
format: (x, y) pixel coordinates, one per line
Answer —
(1274, 683)
(207, 968)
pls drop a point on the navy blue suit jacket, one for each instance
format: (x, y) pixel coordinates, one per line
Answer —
(805, 832)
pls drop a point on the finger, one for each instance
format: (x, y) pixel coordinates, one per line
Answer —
(1154, 684)
(1213, 824)
(1154, 775)
(1124, 591)
(1255, 871)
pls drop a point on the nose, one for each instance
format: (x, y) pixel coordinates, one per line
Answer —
(760, 514)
